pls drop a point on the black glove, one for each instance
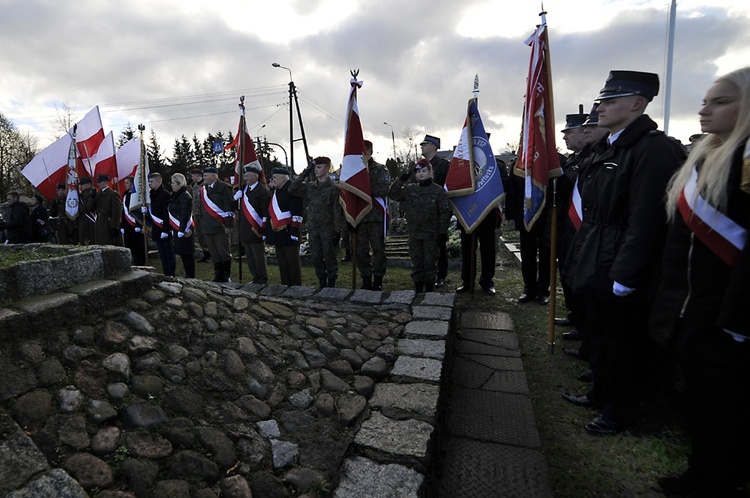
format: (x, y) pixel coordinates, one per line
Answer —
(442, 239)
(405, 176)
(352, 229)
(336, 238)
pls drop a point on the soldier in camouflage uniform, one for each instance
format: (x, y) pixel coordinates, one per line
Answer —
(196, 176)
(428, 216)
(371, 230)
(324, 218)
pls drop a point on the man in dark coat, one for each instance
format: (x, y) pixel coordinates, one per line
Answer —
(217, 219)
(254, 199)
(616, 250)
(285, 216)
(16, 222)
(159, 214)
(132, 226)
(108, 208)
(40, 229)
(86, 214)
(65, 228)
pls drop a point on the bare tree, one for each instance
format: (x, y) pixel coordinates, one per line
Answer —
(66, 118)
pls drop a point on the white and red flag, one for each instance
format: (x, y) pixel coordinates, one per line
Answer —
(245, 148)
(127, 157)
(50, 167)
(105, 161)
(89, 136)
(355, 194)
(538, 160)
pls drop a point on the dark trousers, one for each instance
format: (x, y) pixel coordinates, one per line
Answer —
(166, 254)
(134, 242)
(621, 356)
(188, 262)
(255, 253)
(290, 267)
(535, 275)
(717, 376)
(442, 261)
(485, 239)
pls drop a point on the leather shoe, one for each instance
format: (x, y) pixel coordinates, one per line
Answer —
(490, 291)
(440, 282)
(600, 426)
(463, 288)
(573, 335)
(587, 376)
(578, 400)
(574, 353)
(563, 322)
(526, 298)
(543, 300)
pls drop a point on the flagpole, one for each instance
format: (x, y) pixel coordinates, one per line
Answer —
(241, 174)
(553, 229)
(473, 258)
(143, 180)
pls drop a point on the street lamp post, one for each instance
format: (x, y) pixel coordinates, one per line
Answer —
(393, 137)
(286, 159)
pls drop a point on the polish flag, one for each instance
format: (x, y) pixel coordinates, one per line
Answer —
(127, 159)
(49, 167)
(355, 194)
(105, 160)
(89, 137)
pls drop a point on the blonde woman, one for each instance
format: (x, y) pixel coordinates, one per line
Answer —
(181, 222)
(699, 313)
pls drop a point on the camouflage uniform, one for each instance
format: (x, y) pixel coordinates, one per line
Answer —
(65, 228)
(323, 219)
(86, 218)
(197, 212)
(428, 216)
(371, 230)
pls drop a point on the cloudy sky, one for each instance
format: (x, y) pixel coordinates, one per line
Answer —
(179, 66)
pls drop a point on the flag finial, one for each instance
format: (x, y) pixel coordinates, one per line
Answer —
(476, 85)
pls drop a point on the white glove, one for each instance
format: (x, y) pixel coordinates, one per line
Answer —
(180, 235)
(294, 238)
(737, 337)
(188, 232)
(164, 235)
(144, 209)
(620, 290)
(137, 229)
(122, 230)
(237, 195)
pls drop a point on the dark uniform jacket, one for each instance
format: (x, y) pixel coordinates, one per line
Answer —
(440, 168)
(220, 194)
(323, 213)
(624, 221)
(108, 208)
(697, 285)
(380, 182)
(181, 209)
(40, 231)
(16, 225)
(289, 234)
(426, 206)
(64, 226)
(86, 217)
(258, 197)
(159, 213)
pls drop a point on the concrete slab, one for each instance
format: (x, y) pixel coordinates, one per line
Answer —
(417, 369)
(366, 296)
(422, 348)
(437, 329)
(415, 399)
(333, 293)
(51, 310)
(431, 313)
(399, 438)
(96, 294)
(299, 292)
(400, 297)
(486, 320)
(364, 477)
(439, 299)
(505, 339)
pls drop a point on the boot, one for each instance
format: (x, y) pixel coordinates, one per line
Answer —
(217, 272)
(331, 281)
(322, 282)
(206, 257)
(429, 286)
(347, 257)
(419, 287)
(377, 283)
(367, 283)
(227, 270)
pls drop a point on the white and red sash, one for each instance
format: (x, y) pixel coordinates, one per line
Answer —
(157, 221)
(720, 233)
(575, 211)
(175, 223)
(279, 219)
(212, 209)
(381, 203)
(251, 215)
(129, 217)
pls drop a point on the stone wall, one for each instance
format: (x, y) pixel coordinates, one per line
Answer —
(186, 388)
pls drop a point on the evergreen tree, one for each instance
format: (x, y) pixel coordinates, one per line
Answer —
(156, 159)
(125, 135)
(183, 157)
